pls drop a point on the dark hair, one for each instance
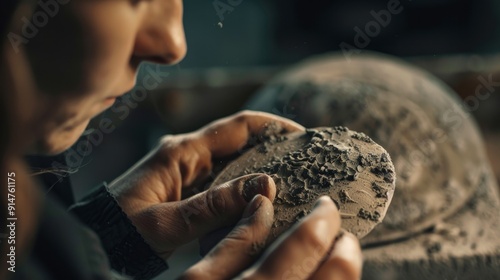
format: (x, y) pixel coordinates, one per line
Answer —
(7, 8)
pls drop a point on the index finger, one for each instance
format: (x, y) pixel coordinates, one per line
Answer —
(228, 135)
(299, 252)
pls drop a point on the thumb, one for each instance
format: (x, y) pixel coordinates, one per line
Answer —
(220, 206)
(240, 248)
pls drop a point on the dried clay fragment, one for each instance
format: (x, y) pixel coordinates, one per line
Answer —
(348, 166)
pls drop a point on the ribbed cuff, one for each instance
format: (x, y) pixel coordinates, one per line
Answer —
(127, 251)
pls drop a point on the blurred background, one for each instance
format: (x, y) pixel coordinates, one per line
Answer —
(234, 52)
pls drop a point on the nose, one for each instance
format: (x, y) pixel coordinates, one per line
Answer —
(161, 36)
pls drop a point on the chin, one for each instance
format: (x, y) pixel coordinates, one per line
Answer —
(57, 142)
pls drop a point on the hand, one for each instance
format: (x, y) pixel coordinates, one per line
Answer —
(303, 252)
(150, 192)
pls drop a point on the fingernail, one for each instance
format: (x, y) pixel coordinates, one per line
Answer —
(253, 206)
(317, 203)
(323, 199)
(255, 186)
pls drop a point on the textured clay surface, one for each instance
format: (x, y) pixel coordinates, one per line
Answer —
(348, 166)
(435, 145)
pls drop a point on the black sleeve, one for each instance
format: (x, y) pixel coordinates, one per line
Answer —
(127, 251)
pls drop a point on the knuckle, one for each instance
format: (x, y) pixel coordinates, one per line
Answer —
(187, 214)
(164, 140)
(311, 238)
(216, 201)
(244, 115)
(242, 234)
(174, 141)
(169, 147)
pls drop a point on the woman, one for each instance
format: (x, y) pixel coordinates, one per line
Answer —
(63, 62)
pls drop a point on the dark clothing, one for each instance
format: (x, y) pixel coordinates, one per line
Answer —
(63, 249)
(126, 249)
(87, 242)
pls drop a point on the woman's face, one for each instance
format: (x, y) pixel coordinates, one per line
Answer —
(85, 53)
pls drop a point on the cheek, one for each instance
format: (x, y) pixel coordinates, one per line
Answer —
(58, 141)
(68, 120)
(85, 48)
(111, 29)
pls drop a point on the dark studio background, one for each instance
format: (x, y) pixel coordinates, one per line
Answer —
(451, 38)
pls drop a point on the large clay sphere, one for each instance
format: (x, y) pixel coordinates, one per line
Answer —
(433, 142)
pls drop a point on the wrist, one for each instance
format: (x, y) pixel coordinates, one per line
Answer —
(126, 248)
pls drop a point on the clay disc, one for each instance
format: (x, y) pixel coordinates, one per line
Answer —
(348, 166)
